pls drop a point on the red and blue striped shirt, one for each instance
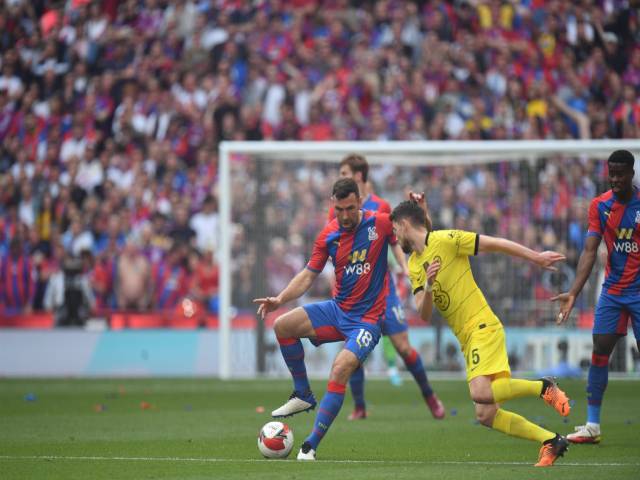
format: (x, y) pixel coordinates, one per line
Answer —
(617, 223)
(359, 257)
(17, 285)
(376, 204)
(170, 284)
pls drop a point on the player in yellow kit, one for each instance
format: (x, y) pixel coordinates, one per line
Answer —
(441, 274)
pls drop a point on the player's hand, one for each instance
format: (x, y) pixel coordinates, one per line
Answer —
(404, 272)
(432, 271)
(267, 304)
(421, 200)
(566, 301)
(418, 198)
(548, 258)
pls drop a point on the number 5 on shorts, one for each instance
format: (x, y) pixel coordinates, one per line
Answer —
(475, 356)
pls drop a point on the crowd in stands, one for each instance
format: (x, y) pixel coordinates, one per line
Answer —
(111, 113)
(541, 203)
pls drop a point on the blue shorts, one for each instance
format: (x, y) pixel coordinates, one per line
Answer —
(333, 325)
(613, 313)
(394, 320)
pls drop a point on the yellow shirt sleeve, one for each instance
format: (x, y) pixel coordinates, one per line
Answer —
(463, 243)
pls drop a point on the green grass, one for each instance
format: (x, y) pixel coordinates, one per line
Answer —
(207, 429)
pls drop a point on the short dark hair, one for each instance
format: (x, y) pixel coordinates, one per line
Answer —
(411, 211)
(345, 187)
(357, 163)
(621, 157)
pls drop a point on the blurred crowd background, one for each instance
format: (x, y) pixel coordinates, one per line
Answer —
(111, 113)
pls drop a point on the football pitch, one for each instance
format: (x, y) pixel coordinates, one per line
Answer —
(203, 428)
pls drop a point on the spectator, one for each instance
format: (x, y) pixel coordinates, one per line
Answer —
(133, 279)
(77, 238)
(205, 279)
(111, 114)
(69, 293)
(205, 224)
(181, 233)
(17, 286)
(169, 277)
(75, 145)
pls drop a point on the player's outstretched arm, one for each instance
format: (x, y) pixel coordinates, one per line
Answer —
(585, 265)
(296, 288)
(545, 259)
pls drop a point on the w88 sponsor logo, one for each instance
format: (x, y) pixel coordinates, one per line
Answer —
(358, 269)
(626, 247)
(624, 243)
(358, 265)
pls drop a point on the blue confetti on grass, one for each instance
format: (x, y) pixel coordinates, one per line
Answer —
(30, 397)
(454, 412)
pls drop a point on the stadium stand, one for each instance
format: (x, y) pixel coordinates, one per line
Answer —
(111, 112)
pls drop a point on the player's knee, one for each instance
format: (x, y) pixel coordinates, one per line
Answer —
(280, 327)
(340, 373)
(482, 396)
(485, 414)
(601, 348)
(403, 349)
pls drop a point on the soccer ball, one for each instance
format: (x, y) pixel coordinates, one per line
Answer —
(275, 440)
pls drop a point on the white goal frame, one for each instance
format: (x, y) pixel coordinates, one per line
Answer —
(391, 153)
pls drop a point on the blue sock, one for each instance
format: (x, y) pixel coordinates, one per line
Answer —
(596, 385)
(356, 382)
(293, 354)
(414, 364)
(329, 408)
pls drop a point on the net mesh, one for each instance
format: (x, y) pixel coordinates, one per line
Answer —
(279, 206)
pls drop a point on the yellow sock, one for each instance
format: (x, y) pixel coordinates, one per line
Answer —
(517, 426)
(509, 388)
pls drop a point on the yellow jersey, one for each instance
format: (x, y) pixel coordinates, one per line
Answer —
(455, 292)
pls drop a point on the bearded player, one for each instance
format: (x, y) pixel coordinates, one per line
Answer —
(394, 326)
(440, 274)
(357, 241)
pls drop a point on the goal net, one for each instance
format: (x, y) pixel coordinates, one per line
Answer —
(274, 198)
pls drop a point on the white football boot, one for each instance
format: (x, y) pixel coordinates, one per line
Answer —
(306, 452)
(589, 433)
(294, 405)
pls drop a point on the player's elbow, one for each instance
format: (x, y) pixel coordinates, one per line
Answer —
(590, 253)
(307, 277)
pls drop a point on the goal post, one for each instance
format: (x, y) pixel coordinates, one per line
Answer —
(391, 153)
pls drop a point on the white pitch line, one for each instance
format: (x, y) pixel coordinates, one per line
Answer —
(254, 460)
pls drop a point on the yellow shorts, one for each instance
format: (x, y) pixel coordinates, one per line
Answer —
(486, 352)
